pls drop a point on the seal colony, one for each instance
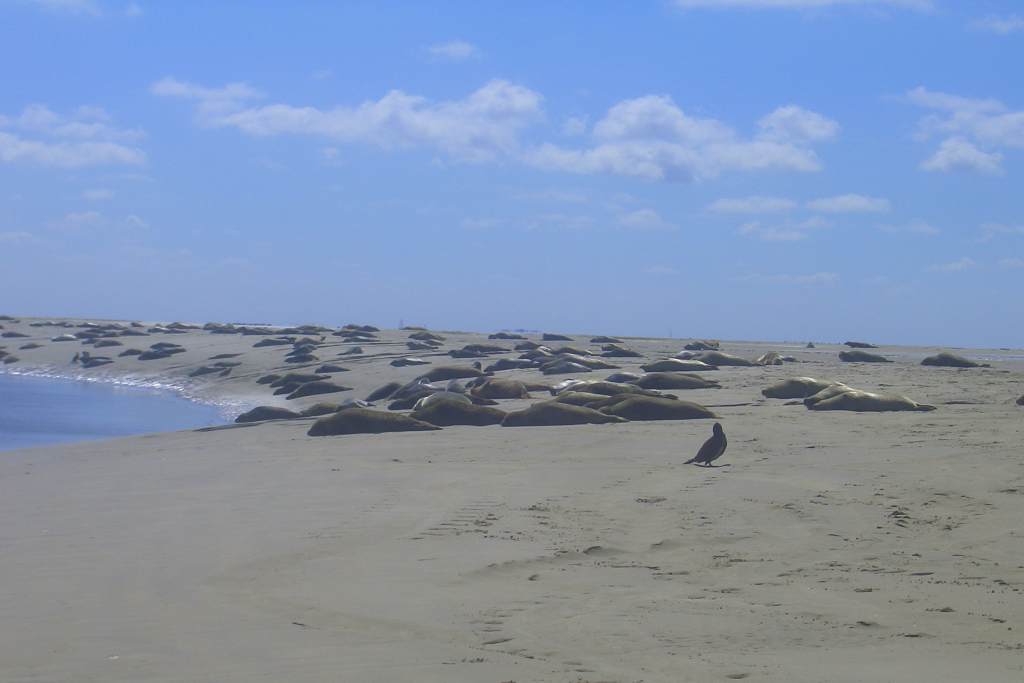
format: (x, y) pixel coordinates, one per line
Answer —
(518, 378)
(454, 526)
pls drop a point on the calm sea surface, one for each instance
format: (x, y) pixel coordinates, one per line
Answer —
(39, 411)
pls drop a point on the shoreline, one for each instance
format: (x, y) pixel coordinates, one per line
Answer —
(823, 546)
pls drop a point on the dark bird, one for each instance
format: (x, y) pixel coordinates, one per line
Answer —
(712, 448)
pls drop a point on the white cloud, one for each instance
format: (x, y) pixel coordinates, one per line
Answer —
(817, 278)
(481, 223)
(795, 125)
(992, 229)
(788, 231)
(799, 4)
(93, 140)
(1011, 263)
(575, 126)
(564, 221)
(644, 219)
(81, 222)
(957, 154)
(98, 194)
(570, 196)
(133, 222)
(69, 155)
(849, 203)
(997, 24)
(18, 239)
(917, 226)
(958, 266)
(754, 204)
(481, 127)
(320, 74)
(88, 6)
(87, 123)
(771, 234)
(650, 137)
(456, 49)
(969, 125)
(660, 270)
(133, 10)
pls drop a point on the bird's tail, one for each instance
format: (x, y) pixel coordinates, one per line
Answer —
(690, 461)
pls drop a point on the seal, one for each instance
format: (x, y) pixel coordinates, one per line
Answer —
(676, 365)
(564, 367)
(261, 413)
(719, 358)
(384, 391)
(712, 449)
(674, 380)
(948, 360)
(446, 372)
(605, 340)
(315, 389)
(862, 357)
(616, 351)
(437, 396)
(859, 345)
(867, 402)
(622, 377)
(555, 337)
(451, 413)
(366, 421)
(702, 345)
(798, 387)
(549, 414)
(300, 377)
(329, 368)
(500, 388)
(403, 362)
(643, 408)
(581, 398)
(1020, 401)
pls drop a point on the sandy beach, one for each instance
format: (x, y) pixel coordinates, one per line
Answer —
(823, 546)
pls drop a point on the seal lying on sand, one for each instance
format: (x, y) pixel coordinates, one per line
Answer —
(366, 421)
(674, 380)
(446, 372)
(641, 408)
(713, 448)
(500, 388)
(384, 391)
(450, 413)
(859, 345)
(862, 357)
(581, 398)
(842, 397)
(299, 377)
(948, 360)
(719, 358)
(261, 413)
(315, 388)
(328, 408)
(1020, 401)
(798, 387)
(439, 396)
(676, 365)
(549, 414)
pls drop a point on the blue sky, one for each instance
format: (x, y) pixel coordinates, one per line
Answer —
(734, 169)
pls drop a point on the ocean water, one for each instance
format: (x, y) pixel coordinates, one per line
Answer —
(38, 411)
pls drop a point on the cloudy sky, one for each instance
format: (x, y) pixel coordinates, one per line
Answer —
(735, 169)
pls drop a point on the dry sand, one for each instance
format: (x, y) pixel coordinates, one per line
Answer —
(830, 546)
